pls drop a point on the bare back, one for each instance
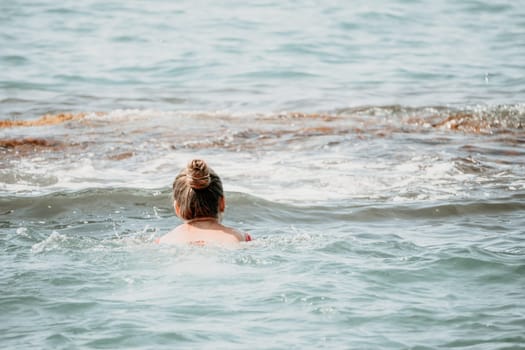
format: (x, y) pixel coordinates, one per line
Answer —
(203, 231)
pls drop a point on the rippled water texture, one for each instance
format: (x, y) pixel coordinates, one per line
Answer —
(263, 55)
(374, 150)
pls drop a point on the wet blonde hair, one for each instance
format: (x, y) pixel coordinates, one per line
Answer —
(197, 190)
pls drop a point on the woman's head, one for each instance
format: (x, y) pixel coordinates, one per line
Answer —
(197, 191)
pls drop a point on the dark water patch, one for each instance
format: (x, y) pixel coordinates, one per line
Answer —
(496, 151)
(480, 7)
(128, 39)
(374, 212)
(71, 307)
(27, 86)
(467, 262)
(86, 198)
(66, 11)
(133, 70)
(174, 100)
(12, 303)
(15, 101)
(499, 342)
(15, 60)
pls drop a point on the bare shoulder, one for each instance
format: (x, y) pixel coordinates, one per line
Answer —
(241, 237)
(171, 237)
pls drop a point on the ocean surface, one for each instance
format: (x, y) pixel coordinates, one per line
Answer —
(375, 150)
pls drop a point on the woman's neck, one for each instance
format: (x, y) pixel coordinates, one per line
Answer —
(202, 219)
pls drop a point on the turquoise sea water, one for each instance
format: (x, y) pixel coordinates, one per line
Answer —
(262, 55)
(374, 150)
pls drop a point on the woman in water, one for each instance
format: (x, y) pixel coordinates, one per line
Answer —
(198, 199)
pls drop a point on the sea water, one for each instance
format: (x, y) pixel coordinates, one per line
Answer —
(373, 149)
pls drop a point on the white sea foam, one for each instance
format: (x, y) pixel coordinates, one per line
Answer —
(53, 241)
(284, 176)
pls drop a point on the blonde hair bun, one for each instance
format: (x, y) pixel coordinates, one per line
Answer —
(198, 174)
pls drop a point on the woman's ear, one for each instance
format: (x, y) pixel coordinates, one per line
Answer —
(222, 204)
(176, 206)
